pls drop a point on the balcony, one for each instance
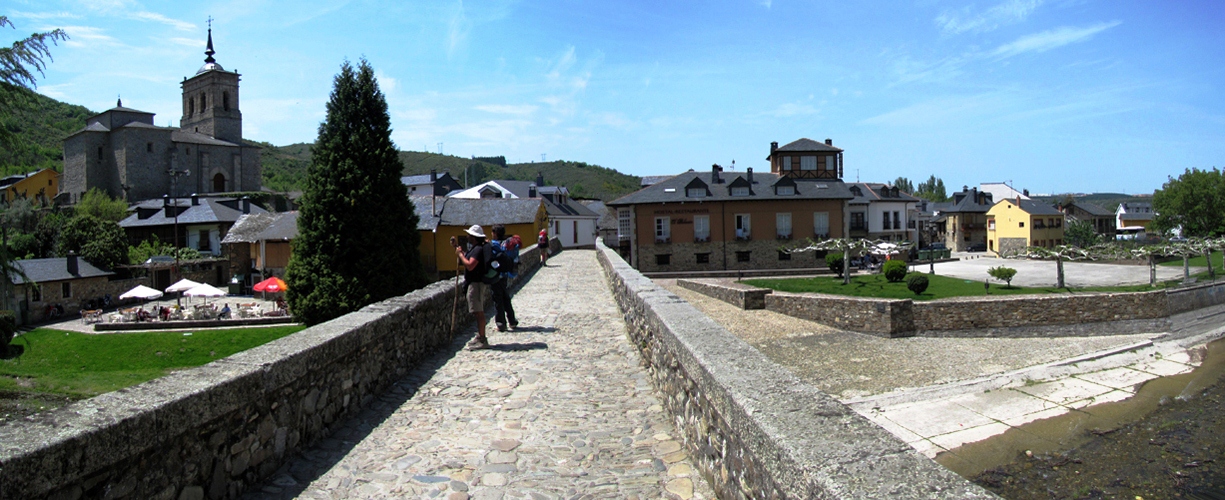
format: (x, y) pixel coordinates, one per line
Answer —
(743, 236)
(701, 239)
(783, 237)
(663, 239)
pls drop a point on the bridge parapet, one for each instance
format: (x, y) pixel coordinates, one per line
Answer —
(754, 429)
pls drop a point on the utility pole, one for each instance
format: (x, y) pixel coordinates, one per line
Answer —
(542, 160)
(440, 148)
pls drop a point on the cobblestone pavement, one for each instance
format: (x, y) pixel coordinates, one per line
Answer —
(850, 365)
(560, 408)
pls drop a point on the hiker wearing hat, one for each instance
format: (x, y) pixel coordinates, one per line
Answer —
(542, 242)
(475, 267)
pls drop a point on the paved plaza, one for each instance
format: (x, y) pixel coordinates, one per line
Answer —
(973, 266)
(560, 408)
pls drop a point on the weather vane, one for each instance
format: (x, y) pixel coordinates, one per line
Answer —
(210, 22)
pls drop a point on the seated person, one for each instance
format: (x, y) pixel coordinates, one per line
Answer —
(280, 303)
(225, 312)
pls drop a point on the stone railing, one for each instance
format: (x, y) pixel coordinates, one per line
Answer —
(752, 427)
(1050, 315)
(217, 429)
(737, 294)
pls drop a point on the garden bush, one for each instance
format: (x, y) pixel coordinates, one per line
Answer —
(834, 261)
(917, 283)
(895, 271)
(1002, 273)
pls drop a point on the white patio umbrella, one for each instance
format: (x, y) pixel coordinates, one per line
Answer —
(141, 292)
(205, 290)
(182, 286)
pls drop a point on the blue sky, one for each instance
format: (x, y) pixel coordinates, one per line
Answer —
(1052, 96)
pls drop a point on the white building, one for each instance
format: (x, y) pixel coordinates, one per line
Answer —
(573, 224)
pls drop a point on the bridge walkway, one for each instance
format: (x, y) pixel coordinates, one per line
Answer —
(560, 408)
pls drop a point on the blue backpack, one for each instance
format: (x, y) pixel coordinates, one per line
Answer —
(501, 262)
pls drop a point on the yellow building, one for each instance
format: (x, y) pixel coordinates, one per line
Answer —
(1015, 224)
(441, 218)
(39, 187)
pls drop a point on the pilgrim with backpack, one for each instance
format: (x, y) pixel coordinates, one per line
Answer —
(503, 259)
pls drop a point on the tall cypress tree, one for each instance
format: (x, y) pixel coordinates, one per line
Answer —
(357, 230)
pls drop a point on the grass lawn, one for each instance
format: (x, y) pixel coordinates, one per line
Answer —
(1196, 261)
(939, 287)
(77, 365)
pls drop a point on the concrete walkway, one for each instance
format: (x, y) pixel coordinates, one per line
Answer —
(1037, 273)
(560, 408)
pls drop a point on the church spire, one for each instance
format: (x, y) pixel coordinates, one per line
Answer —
(209, 51)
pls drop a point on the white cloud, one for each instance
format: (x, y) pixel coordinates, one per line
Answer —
(387, 84)
(45, 15)
(563, 64)
(87, 36)
(765, 3)
(792, 109)
(1051, 39)
(457, 30)
(963, 21)
(508, 109)
(158, 18)
(186, 42)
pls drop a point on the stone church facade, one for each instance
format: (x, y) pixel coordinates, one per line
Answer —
(122, 152)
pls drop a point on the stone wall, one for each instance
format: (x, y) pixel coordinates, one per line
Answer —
(1027, 315)
(1196, 297)
(737, 294)
(761, 254)
(752, 427)
(217, 429)
(883, 317)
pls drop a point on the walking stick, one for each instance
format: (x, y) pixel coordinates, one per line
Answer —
(455, 303)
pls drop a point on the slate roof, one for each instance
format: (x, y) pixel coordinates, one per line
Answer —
(209, 211)
(1035, 208)
(426, 220)
(762, 189)
(870, 192)
(569, 209)
(608, 216)
(1092, 209)
(648, 180)
(465, 212)
(1136, 215)
(54, 269)
(808, 145)
(126, 110)
(266, 226)
(180, 135)
(967, 204)
(411, 180)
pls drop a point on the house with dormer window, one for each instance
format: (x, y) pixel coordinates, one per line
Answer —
(881, 212)
(724, 220)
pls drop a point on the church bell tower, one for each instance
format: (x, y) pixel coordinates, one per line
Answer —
(210, 100)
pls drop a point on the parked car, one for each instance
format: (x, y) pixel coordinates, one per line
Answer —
(978, 247)
(935, 246)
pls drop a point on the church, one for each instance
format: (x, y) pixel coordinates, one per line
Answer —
(122, 152)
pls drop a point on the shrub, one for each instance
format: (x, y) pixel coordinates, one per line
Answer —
(834, 261)
(917, 283)
(1002, 273)
(895, 271)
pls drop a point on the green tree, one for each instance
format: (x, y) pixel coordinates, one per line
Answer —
(98, 241)
(1002, 273)
(932, 189)
(894, 271)
(18, 64)
(357, 231)
(100, 205)
(904, 185)
(1081, 234)
(917, 283)
(1193, 202)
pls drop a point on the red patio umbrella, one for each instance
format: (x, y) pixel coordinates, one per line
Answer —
(271, 285)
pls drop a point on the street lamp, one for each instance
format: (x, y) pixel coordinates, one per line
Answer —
(174, 178)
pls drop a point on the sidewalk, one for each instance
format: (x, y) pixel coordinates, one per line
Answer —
(558, 409)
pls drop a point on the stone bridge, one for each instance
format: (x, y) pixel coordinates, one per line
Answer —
(612, 387)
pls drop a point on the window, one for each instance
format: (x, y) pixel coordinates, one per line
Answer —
(701, 228)
(786, 163)
(743, 256)
(219, 183)
(991, 224)
(857, 219)
(148, 147)
(702, 258)
(740, 191)
(784, 255)
(191, 107)
(36, 293)
(885, 221)
(808, 163)
(782, 222)
(99, 153)
(784, 190)
(831, 163)
(623, 224)
(897, 220)
(203, 102)
(695, 192)
(820, 224)
(66, 290)
(663, 230)
(225, 100)
(1022, 224)
(663, 259)
(743, 231)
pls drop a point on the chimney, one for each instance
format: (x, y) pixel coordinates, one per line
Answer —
(195, 199)
(750, 174)
(1025, 191)
(539, 179)
(714, 174)
(165, 200)
(433, 176)
(531, 191)
(72, 264)
(773, 147)
(1018, 200)
(829, 142)
(246, 204)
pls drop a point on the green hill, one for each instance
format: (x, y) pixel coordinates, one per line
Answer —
(35, 126)
(1108, 201)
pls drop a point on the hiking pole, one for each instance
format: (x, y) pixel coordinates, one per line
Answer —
(454, 303)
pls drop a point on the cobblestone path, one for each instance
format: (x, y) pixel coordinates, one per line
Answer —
(560, 408)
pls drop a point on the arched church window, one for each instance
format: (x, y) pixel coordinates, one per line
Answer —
(191, 107)
(225, 100)
(219, 183)
(203, 103)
